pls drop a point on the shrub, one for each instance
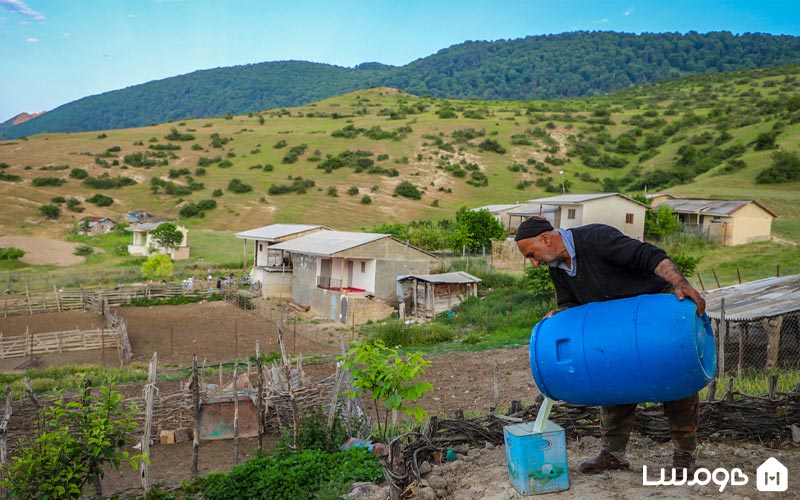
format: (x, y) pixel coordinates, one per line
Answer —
(237, 186)
(11, 253)
(83, 250)
(366, 200)
(300, 475)
(78, 173)
(408, 190)
(100, 200)
(48, 181)
(50, 211)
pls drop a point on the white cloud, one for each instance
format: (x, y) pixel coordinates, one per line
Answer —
(31, 40)
(19, 7)
(604, 20)
(629, 11)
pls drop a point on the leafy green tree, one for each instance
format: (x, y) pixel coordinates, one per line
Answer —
(157, 267)
(11, 253)
(167, 235)
(661, 222)
(75, 440)
(392, 381)
(785, 168)
(481, 227)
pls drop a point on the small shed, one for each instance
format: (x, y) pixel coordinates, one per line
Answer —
(758, 323)
(427, 295)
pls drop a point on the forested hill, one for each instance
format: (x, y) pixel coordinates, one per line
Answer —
(537, 67)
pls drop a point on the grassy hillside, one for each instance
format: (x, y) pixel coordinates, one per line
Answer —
(697, 136)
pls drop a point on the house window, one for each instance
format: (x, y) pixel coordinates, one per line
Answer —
(260, 247)
(571, 213)
(628, 218)
(363, 267)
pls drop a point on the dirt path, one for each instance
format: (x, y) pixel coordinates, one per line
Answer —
(41, 251)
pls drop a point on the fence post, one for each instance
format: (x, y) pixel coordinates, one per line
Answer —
(149, 395)
(4, 441)
(195, 386)
(260, 397)
(722, 335)
(235, 413)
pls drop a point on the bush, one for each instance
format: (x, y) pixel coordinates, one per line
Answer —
(48, 181)
(408, 190)
(83, 250)
(50, 211)
(297, 476)
(11, 253)
(78, 173)
(101, 200)
(237, 186)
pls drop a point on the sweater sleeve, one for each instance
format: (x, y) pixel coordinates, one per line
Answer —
(627, 252)
(564, 294)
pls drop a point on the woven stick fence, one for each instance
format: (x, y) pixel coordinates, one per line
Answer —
(96, 298)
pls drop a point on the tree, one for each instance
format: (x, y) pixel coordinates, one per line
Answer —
(661, 222)
(75, 440)
(392, 381)
(167, 235)
(157, 267)
(481, 227)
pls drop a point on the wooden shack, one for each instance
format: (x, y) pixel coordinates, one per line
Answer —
(427, 295)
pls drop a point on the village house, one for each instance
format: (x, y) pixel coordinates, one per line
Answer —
(728, 222)
(348, 276)
(94, 225)
(272, 269)
(143, 244)
(614, 209)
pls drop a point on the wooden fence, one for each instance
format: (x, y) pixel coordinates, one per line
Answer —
(32, 344)
(96, 299)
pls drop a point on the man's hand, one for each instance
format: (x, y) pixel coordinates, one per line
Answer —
(667, 270)
(553, 312)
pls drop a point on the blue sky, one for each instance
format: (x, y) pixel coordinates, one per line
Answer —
(56, 51)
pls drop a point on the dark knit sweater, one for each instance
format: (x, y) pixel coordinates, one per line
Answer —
(608, 265)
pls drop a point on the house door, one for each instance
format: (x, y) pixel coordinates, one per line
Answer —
(325, 270)
(349, 273)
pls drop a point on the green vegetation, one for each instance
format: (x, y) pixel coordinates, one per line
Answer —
(11, 253)
(391, 380)
(75, 441)
(157, 267)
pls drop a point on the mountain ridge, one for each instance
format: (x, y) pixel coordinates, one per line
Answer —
(565, 65)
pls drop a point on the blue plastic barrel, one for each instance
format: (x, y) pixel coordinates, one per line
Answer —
(646, 348)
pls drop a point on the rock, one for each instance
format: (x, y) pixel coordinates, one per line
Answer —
(366, 491)
(425, 468)
(438, 483)
(426, 493)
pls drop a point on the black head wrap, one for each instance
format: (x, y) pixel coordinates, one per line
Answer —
(531, 227)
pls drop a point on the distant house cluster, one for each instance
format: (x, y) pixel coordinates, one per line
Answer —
(351, 277)
(728, 222)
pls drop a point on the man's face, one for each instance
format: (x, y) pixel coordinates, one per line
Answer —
(540, 250)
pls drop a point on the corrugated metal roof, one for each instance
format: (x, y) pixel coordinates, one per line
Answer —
(533, 209)
(496, 208)
(275, 232)
(708, 207)
(328, 243)
(454, 277)
(756, 299)
(572, 199)
(144, 226)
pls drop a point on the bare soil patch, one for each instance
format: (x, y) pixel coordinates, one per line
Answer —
(42, 251)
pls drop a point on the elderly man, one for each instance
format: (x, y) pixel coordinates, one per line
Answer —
(595, 263)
